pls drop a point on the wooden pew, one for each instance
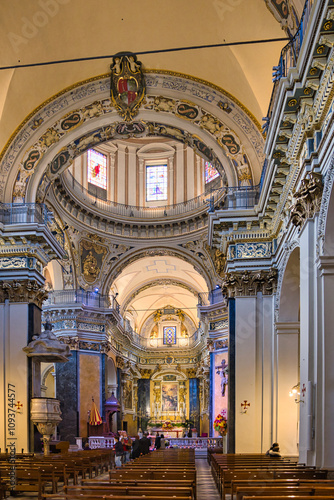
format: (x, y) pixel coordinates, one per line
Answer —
(261, 484)
(241, 492)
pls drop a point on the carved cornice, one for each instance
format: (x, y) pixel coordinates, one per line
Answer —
(246, 283)
(23, 291)
(307, 199)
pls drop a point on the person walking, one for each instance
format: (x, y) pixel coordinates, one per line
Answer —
(145, 444)
(118, 452)
(157, 442)
(136, 448)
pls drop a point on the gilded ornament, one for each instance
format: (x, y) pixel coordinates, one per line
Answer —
(128, 86)
(328, 25)
(292, 103)
(321, 49)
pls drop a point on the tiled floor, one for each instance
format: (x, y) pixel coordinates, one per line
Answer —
(206, 487)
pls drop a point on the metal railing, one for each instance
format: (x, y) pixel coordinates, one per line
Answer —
(289, 56)
(23, 213)
(225, 198)
(158, 342)
(201, 202)
(81, 297)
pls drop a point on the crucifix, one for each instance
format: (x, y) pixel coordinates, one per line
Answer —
(222, 370)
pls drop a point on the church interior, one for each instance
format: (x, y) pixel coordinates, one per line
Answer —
(166, 244)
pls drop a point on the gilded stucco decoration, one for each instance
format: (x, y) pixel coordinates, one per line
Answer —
(145, 373)
(97, 89)
(127, 85)
(307, 199)
(219, 260)
(91, 257)
(249, 283)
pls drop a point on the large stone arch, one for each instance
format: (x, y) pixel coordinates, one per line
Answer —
(122, 263)
(287, 350)
(189, 110)
(288, 250)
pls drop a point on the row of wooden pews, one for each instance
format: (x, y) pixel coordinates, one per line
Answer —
(160, 475)
(43, 474)
(260, 477)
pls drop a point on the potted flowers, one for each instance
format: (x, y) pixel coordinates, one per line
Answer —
(167, 426)
(220, 423)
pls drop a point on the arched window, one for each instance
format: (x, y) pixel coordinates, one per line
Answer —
(210, 172)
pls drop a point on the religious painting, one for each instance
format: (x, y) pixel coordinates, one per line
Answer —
(127, 395)
(169, 396)
(92, 256)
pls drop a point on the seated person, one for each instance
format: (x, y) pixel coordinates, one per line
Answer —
(273, 450)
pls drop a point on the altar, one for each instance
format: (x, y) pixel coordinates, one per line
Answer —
(174, 432)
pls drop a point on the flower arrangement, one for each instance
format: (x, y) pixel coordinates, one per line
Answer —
(220, 424)
(167, 426)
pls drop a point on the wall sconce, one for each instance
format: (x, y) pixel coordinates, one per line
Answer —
(295, 393)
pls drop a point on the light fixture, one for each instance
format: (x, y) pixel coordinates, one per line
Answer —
(295, 393)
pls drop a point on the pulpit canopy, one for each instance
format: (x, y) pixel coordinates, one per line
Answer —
(112, 404)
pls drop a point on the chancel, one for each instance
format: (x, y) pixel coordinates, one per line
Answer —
(166, 209)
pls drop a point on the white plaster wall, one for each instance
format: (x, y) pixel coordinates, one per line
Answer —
(14, 370)
(287, 377)
(325, 400)
(247, 425)
(308, 329)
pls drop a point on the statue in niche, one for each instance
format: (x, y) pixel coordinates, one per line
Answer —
(219, 261)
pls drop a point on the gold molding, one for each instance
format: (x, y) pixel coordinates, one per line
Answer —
(107, 75)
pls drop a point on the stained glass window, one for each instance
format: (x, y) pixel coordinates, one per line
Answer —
(156, 182)
(97, 168)
(169, 334)
(210, 172)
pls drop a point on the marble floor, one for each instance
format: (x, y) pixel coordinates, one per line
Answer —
(205, 485)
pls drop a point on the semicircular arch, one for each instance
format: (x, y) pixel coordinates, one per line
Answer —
(201, 115)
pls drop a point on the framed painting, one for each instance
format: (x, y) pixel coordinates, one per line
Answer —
(169, 396)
